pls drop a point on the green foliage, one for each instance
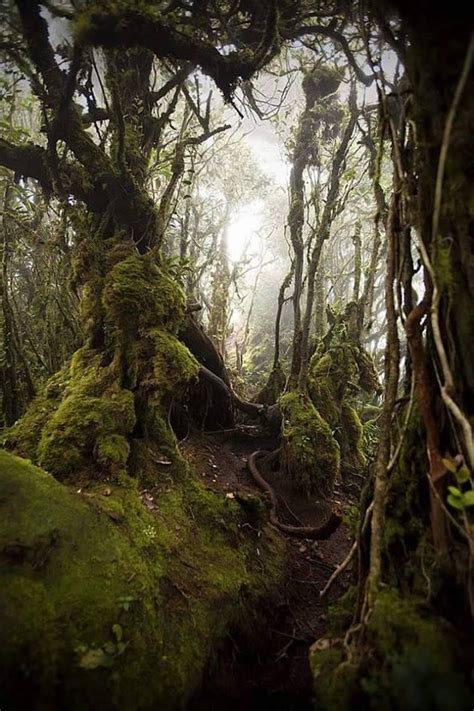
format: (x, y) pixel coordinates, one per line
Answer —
(460, 500)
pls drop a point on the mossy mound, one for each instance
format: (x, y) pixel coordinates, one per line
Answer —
(411, 661)
(106, 604)
(334, 379)
(77, 419)
(310, 452)
(26, 433)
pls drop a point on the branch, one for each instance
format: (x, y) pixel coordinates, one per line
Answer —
(28, 160)
(338, 38)
(128, 28)
(31, 161)
(35, 32)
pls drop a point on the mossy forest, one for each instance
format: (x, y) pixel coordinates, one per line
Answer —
(236, 355)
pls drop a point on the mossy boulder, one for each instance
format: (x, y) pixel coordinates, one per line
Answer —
(310, 452)
(411, 661)
(105, 603)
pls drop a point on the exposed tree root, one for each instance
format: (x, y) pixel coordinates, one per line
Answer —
(317, 532)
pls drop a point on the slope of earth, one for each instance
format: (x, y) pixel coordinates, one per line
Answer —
(276, 675)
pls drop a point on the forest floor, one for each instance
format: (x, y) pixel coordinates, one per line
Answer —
(277, 674)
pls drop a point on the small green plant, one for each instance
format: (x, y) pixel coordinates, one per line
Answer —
(125, 601)
(459, 497)
(94, 657)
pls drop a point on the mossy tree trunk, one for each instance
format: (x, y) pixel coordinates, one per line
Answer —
(443, 110)
(132, 365)
(322, 233)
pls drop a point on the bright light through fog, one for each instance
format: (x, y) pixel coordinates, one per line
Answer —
(243, 230)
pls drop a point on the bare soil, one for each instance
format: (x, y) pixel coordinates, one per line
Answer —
(275, 674)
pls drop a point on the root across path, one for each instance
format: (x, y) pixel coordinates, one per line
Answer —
(275, 673)
(321, 532)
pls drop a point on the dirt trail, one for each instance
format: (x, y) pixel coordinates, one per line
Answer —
(277, 675)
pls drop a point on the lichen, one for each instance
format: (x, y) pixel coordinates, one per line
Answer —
(310, 452)
(99, 593)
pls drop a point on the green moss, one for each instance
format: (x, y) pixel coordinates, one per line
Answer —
(326, 385)
(350, 436)
(26, 433)
(99, 593)
(138, 294)
(410, 661)
(112, 449)
(173, 364)
(84, 421)
(334, 378)
(310, 451)
(90, 411)
(417, 661)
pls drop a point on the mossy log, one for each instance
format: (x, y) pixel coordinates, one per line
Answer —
(108, 603)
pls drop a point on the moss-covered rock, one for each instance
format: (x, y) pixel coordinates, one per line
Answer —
(310, 452)
(411, 661)
(106, 604)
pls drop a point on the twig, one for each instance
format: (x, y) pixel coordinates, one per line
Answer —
(406, 422)
(340, 568)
